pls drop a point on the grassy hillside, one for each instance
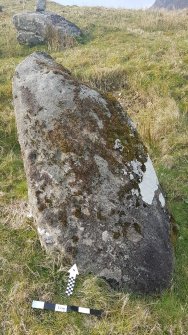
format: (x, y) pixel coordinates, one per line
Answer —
(141, 58)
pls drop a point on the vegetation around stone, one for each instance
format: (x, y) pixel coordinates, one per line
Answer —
(141, 58)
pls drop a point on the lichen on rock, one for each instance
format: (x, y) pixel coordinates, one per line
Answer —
(98, 205)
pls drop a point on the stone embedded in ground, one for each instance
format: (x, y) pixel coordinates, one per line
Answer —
(41, 5)
(93, 191)
(41, 27)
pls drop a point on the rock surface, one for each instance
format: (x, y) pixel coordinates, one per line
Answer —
(171, 4)
(38, 27)
(93, 191)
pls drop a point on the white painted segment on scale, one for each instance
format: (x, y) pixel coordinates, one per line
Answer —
(38, 304)
(61, 308)
(84, 310)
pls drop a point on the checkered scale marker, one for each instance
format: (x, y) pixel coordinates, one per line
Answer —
(70, 286)
(65, 308)
(73, 272)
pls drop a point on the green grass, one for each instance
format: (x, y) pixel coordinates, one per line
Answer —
(141, 58)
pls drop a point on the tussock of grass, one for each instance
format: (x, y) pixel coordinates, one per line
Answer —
(158, 122)
(141, 58)
(15, 214)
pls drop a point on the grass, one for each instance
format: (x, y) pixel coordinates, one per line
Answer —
(141, 58)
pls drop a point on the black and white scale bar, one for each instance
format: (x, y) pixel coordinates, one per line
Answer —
(65, 308)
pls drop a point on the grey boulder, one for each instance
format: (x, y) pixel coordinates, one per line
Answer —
(170, 4)
(93, 192)
(38, 27)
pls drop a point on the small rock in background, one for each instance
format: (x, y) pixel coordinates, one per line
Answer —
(41, 27)
(41, 5)
(93, 191)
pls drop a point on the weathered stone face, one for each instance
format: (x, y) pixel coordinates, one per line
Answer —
(93, 191)
(40, 5)
(38, 27)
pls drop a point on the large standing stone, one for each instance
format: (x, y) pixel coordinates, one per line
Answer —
(93, 191)
(41, 5)
(41, 27)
